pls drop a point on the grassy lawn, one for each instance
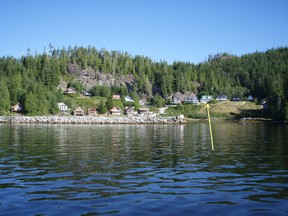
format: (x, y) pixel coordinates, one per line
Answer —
(228, 109)
(89, 101)
(232, 108)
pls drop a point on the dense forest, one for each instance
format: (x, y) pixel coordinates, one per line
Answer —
(35, 80)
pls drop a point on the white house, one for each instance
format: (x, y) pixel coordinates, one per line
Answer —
(221, 97)
(142, 103)
(128, 99)
(193, 100)
(63, 107)
(250, 98)
(86, 93)
(206, 98)
(17, 108)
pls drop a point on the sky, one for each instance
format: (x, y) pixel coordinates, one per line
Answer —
(163, 30)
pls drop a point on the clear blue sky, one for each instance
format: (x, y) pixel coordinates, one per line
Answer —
(182, 30)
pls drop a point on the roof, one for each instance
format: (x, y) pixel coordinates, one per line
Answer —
(115, 109)
(79, 109)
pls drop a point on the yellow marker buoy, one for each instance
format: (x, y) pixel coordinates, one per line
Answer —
(207, 107)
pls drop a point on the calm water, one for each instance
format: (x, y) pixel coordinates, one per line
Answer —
(144, 169)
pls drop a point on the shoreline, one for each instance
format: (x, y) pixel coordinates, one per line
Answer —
(91, 120)
(118, 120)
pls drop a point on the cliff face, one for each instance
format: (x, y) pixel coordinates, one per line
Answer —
(89, 78)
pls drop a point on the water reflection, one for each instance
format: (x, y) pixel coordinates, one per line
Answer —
(143, 169)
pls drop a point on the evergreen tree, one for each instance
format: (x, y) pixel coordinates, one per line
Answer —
(158, 101)
(31, 105)
(102, 107)
(261, 74)
(4, 97)
(109, 103)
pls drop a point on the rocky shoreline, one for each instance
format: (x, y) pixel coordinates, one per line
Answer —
(91, 120)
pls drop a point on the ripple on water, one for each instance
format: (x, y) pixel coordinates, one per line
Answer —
(142, 170)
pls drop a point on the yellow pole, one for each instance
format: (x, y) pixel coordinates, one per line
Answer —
(207, 107)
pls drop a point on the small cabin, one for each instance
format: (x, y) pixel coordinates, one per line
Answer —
(86, 93)
(70, 91)
(236, 99)
(141, 103)
(128, 99)
(129, 111)
(250, 98)
(115, 111)
(221, 97)
(191, 99)
(116, 97)
(79, 112)
(63, 107)
(206, 98)
(17, 108)
(143, 111)
(177, 98)
(92, 111)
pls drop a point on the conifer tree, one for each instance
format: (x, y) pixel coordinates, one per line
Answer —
(4, 97)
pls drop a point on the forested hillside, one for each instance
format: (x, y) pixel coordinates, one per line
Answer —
(37, 81)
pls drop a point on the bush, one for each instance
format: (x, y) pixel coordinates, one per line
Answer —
(158, 101)
(190, 111)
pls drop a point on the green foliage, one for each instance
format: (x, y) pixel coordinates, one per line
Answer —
(158, 101)
(286, 112)
(31, 105)
(32, 80)
(109, 103)
(189, 111)
(77, 85)
(99, 90)
(121, 90)
(40, 101)
(4, 96)
(102, 108)
(117, 103)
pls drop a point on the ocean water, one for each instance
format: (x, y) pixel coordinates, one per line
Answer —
(144, 169)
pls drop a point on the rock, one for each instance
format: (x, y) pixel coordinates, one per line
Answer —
(90, 120)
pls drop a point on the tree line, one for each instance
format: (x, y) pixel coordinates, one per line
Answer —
(33, 79)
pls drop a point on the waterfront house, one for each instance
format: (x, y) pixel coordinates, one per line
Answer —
(250, 98)
(206, 98)
(177, 98)
(63, 107)
(79, 112)
(141, 103)
(92, 111)
(236, 99)
(70, 91)
(129, 111)
(17, 108)
(143, 111)
(115, 111)
(86, 93)
(116, 97)
(221, 97)
(191, 98)
(128, 99)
